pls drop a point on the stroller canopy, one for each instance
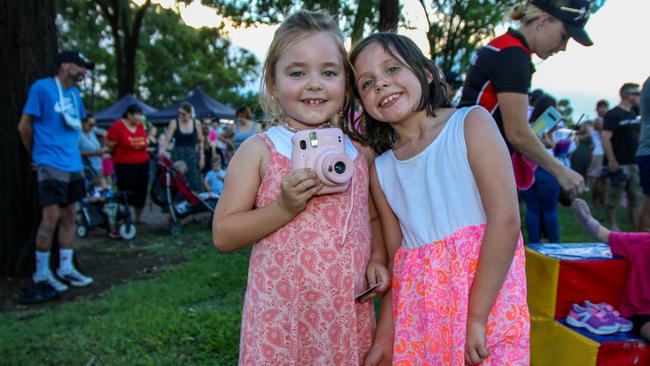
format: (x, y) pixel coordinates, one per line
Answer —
(106, 116)
(204, 107)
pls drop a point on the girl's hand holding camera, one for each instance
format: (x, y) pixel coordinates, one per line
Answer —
(297, 188)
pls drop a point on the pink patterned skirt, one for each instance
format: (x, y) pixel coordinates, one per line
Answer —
(431, 286)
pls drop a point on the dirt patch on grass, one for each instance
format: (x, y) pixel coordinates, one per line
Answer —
(112, 262)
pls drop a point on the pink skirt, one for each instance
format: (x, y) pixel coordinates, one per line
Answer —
(431, 286)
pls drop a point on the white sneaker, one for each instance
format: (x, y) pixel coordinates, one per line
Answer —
(73, 277)
(51, 280)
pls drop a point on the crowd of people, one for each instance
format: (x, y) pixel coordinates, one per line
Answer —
(74, 159)
(430, 215)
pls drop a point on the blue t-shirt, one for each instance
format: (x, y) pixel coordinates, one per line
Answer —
(89, 142)
(215, 181)
(54, 143)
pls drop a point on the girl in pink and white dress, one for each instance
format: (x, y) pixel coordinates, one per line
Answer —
(445, 193)
(310, 252)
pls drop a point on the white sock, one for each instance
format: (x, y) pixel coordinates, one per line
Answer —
(42, 264)
(65, 259)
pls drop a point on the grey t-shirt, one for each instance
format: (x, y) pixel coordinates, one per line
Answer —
(644, 103)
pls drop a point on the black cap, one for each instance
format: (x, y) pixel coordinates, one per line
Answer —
(76, 57)
(574, 15)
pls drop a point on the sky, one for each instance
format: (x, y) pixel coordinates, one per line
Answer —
(621, 50)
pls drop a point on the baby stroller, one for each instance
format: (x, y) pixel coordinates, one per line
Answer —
(110, 212)
(171, 191)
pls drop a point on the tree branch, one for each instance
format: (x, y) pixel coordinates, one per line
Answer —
(137, 22)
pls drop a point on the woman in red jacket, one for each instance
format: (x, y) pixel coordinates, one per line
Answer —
(500, 77)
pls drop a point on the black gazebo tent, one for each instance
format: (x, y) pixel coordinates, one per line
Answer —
(204, 107)
(106, 116)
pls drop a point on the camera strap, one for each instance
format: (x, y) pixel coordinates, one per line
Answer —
(347, 219)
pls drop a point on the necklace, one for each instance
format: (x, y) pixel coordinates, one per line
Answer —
(286, 125)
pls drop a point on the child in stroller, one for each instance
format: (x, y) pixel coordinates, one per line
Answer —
(103, 208)
(171, 191)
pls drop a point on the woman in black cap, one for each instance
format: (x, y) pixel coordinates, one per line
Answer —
(500, 77)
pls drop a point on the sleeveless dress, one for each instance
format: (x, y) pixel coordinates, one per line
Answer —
(185, 150)
(435, 197)
(240, 136)
(299, 307)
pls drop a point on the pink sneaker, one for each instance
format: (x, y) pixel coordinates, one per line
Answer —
(592, 319)
(624, 324)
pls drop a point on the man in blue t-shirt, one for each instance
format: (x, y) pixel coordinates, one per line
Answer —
(49, 128)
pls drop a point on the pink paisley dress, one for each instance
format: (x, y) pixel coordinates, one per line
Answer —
(435, 197)
(299, 307)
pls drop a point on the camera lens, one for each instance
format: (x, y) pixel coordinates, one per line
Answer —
(339, 167)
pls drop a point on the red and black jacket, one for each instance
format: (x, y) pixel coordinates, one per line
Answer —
(504, 65)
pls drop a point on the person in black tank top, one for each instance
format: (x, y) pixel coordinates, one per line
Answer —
(500, 75)
(187, 145)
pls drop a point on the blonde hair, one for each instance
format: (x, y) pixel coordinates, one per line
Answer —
(526, 12)
(300, 25)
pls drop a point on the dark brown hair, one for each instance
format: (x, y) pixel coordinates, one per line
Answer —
(380, 135)
(187, 108)
(245, 112)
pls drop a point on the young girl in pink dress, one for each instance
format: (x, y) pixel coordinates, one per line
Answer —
(445, 193)
(310, 251)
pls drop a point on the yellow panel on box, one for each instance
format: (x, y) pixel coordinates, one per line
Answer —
(552, 344)
(542, 273)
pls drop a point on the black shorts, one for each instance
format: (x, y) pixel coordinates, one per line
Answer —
(133, 178)
(56, 186)
(638, 321)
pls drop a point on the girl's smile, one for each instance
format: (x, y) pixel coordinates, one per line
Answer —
(310, 81)
(388, 89)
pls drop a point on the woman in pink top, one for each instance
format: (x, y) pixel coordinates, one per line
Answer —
(635, 247)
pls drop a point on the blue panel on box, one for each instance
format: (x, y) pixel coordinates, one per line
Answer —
(616, 337)
(574, 251)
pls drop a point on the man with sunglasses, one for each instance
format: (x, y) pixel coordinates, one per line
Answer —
(49, 129)
(620, 138)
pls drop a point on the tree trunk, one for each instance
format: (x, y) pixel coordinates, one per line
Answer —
(360, 19)
(388, 15)
(29, 48)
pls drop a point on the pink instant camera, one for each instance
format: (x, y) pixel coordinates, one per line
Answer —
(323, 150)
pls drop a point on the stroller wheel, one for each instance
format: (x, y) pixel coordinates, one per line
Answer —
(82, 231)
(127, 230)
(175, 228)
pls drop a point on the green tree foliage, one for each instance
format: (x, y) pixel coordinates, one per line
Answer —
(458, 28)
(170, 60)
(566, 110)
(356, 18)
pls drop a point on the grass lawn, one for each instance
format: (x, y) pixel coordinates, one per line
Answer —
(188, 314)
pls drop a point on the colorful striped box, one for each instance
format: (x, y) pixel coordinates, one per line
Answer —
(560, 275)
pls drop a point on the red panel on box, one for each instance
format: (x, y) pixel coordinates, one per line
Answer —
(623, 353)
(594, 280)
